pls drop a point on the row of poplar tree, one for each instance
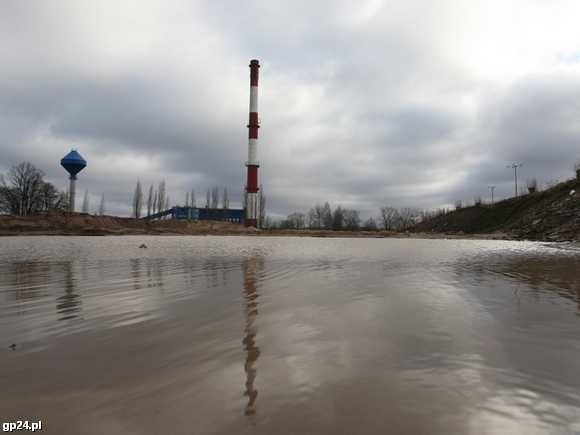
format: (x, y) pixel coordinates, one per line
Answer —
(158, 200)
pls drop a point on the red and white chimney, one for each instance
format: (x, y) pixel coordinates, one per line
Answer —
(252, 199)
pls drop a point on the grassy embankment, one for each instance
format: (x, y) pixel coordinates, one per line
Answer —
(550, 215)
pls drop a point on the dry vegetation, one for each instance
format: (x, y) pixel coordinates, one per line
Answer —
(551, 215)
(83, 224)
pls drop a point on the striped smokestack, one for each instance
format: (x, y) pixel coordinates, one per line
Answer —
(252, 200)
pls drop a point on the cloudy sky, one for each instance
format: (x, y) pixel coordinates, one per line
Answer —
(366, 103)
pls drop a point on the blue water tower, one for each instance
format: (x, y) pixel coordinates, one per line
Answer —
(74, 163)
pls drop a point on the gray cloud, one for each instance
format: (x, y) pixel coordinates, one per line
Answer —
(389, 102)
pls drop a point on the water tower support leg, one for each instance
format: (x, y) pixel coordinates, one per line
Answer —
(72, 194)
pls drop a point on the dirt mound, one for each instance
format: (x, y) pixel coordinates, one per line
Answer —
(83, 224)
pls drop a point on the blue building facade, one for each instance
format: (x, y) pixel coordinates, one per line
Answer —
(202, 214)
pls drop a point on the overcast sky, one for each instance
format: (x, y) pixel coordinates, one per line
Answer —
(366, 103)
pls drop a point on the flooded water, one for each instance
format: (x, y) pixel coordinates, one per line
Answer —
(251, 335)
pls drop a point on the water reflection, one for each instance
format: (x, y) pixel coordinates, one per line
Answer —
(355, 336)
(136, 268)
(215, 270)
(545, 275)
(69, 304)
(25, 280)
(250, 268)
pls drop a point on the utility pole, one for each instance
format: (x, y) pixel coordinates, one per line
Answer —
(515, 167)
(491, 188)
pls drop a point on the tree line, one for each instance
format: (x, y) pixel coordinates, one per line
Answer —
(322, 216)
(157, 200)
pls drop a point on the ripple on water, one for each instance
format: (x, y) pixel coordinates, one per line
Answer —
(291, 335)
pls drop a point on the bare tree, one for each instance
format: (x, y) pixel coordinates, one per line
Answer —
(193, 198)
(25, 192)
(294, 221)
(167, 205)
(137, 201)
(398, 219)
(207, 198)
(338, 218)
(102, 205)
(215, 197)
(326, 216)
(320, 216)
(407, 217)
(532, 185)
(21, 195)
(267, 223)
(161, 197)
(150, 206)
(187, 199)
(351, 219)
(262, 204)
(225, 199)
(51, 199)
(577, 169)
(315, 216)
(389, 218)
(312, 218)
(85, 208)
(155, 202)
(370, 224)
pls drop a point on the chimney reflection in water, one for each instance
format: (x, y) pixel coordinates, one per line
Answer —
(250, 267)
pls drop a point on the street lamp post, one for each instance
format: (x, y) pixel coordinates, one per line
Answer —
(491, 188)
(515, 167)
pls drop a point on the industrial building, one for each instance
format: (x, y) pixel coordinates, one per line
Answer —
(195, 213)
